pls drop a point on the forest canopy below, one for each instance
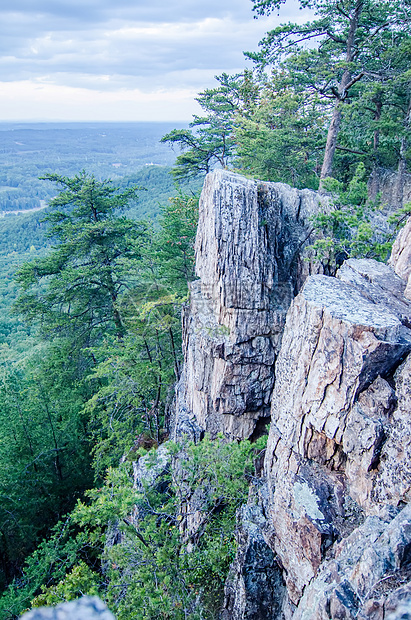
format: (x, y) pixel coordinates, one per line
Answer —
(92, 351)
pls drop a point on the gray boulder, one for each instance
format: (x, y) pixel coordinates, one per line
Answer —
(85, 608)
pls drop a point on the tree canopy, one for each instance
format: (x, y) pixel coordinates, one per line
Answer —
(96, 375)
(353, 39)
(75, 289)
(324, 96)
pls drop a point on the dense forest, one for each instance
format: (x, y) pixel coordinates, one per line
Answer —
(93, 287)
(109, 151)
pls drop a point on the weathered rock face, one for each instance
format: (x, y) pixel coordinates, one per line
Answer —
(339, 442)
(349, 585)
(401, 256)
(329, 535)
(255, 587)
(391, 190)
(85, 608)
(248, 260)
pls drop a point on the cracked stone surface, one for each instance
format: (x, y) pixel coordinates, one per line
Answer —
(379, 284)
(347, 584)
(248, 260)
(327, 361)
(335, 344)
(255, 587)
(400, 259)
(339, 440)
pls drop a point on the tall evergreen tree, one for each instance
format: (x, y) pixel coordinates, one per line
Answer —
(74, 291)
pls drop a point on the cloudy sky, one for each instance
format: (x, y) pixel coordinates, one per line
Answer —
(130, 60)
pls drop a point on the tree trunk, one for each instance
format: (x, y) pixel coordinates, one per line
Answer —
(377, 117)
(118, 323)
(341, 96)
(402, 164)
(331, 144)
(374, 182)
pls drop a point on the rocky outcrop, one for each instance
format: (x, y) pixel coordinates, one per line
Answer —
(330, 534)
(248, 260)
(85, 608)
(401, 256)
(389, 188)
(255, 588)
(339, 442)
(353, 584)
(327, 531)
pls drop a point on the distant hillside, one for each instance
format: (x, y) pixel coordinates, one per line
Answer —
(107, 150)
(19, 233)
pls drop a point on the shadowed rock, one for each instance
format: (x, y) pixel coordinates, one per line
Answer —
(340, 431)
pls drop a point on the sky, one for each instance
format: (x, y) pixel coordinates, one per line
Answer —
(121, 60)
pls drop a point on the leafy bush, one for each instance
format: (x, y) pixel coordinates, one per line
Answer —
(134, 546)
(351, 228)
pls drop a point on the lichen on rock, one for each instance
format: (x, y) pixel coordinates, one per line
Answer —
(327, 362)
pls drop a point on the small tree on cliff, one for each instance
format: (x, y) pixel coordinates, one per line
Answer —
(211, 142)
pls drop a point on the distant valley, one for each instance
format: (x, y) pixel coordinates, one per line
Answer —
(107, 150)
(128, 153)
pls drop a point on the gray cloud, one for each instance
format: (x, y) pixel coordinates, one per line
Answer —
(113, 45)
(99, 11)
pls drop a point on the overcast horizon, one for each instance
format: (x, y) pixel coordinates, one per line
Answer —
(123, 61)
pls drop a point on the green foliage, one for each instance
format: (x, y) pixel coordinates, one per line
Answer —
(348, 228)
(153, 572)
(100, 379)
(135, 374)
(282, 136)
(160, 185)
(79, 581)
(44, 451)
(352, 45)
(19, 233)
(272, 123)
(73, 291)
(212, 142)
(174, 242)
(148, 568)
(399, 219)
(48, 565)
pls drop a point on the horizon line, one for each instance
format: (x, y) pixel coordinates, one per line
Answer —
(21, 121)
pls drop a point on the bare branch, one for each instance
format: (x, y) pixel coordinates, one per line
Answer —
(343, 148)
(341, 11)
(354, 80)
(334, 38)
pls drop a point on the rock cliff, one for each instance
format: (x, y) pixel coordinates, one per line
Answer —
(327, 531)
(325, 364)
(339, 441)
(248, 260)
